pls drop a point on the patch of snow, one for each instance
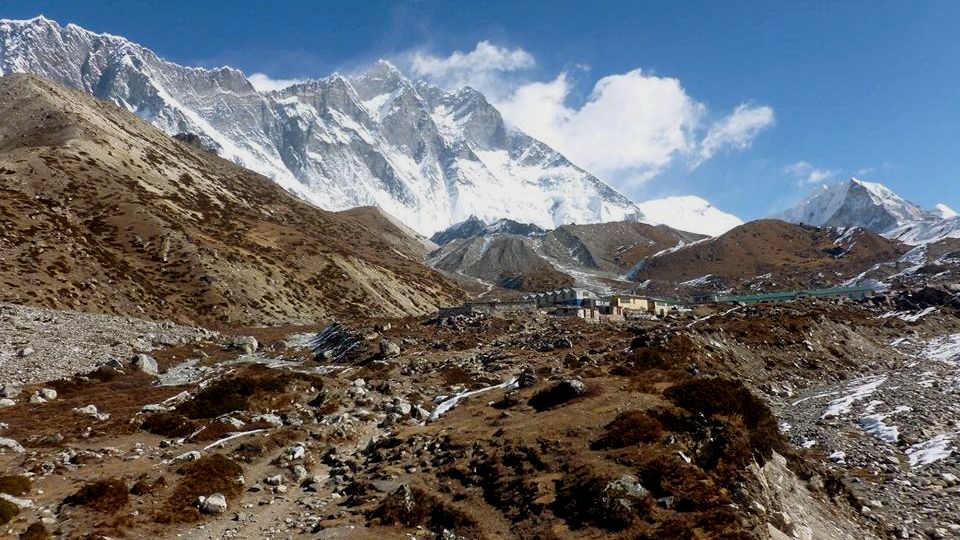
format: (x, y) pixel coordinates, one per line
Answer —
(453, 401)
(855, 391)
(944, 349)
(927, 452)
(697, 282)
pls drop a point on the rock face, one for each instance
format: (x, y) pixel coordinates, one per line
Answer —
(428, 157)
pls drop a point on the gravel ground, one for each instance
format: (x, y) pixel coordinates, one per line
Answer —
(39, 345)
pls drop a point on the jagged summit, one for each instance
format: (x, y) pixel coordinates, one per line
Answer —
(871, 205)
(474, 226)
(429, 157)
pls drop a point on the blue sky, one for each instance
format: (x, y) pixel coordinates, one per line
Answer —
(827, 90)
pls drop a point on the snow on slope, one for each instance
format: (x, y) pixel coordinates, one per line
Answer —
(856, 203)
(429, 157)
(688, 213)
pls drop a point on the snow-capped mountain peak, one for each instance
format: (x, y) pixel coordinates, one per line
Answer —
(856, 203)
(871, 205)
(944, 211)
(689, 213)
(429, 157)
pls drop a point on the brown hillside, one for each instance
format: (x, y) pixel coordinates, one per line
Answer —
(101, 212)
(773, 254)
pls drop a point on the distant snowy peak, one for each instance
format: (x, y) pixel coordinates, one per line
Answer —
(856, 203)
(944, 211)
(688, 213)
(429, 157)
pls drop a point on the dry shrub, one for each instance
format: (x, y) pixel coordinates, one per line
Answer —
(628, 429)
(638, 361)
(15, 485)
(102, 495)
(169, 424)
(214, 473)
(421, 509)
(559, 394)
(718, 396)
(36, 531)
(457, 375)
(580, 503)
(234, 394)
(665, 474)
(8, 511)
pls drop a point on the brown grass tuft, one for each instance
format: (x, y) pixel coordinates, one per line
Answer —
(103, 495)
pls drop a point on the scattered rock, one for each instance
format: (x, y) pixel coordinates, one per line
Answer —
(91, 411)
(192, 455)
(25, 352)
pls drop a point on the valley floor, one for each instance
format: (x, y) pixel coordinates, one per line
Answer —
(807, 420)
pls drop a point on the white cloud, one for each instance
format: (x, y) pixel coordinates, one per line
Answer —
(482, 68)
(630, 128)
(805, 173)
(263, 83)
(737, 130)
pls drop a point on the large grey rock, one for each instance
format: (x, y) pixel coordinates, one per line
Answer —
(145, 363)
(11, 444)
(214, 504)
(247, 344)
(10, 390)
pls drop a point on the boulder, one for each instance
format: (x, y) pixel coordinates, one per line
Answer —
(214, 504)
(247, 344)
(527, 378)
(389, 349)
(10, 391)
(145, 363)
(48, 394)
(25, 352)
(6, 402)
(11, 444)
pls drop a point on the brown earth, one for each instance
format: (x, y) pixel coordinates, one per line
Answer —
(771, 255)
(101, 212)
